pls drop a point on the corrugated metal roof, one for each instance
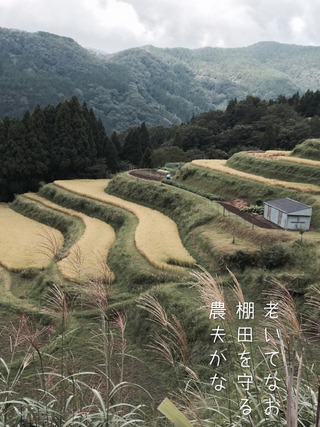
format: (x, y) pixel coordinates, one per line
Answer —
(287, 205)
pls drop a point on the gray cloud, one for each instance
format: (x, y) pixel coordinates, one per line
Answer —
(114, 25)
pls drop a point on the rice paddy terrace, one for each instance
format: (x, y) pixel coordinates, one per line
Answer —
(169, 227)
(135, 235)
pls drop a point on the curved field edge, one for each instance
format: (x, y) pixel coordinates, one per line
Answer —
(156, 237)
(72, 228)
(132, 270)
(22, 241)
(220, 166)
(188, 210)
(285, 156)
(308, 149)
(204, 228)
(231, 186)
(277, 169)
(87, 258)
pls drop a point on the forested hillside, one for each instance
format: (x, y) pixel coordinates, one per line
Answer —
(250, 124)
(147, 84)
(68, 141)
(65, 141)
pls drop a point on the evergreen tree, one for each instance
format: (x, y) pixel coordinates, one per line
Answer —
(64, 151)
(116, 142)
(135, 144)
(90, 121)
(15, 166)
(131, 150)
(146, 161)
(111, 156)
(36, 142)
(101, 139)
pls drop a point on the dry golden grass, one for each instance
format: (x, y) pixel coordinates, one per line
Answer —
(275, 153)
(300, 160)
(230, 234)
(285, 156)
(20, 240)
(88, 257)
(219, 166)
(156, 237)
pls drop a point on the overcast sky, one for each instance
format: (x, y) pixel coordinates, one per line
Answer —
(114, 25)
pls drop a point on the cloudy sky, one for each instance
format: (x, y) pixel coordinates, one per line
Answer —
(114, 25)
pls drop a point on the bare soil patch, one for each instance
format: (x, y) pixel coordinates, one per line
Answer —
(235, 206)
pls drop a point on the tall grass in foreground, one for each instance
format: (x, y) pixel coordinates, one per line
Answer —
(282, 393)
(61, 396)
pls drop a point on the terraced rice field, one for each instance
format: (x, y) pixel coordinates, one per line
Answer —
(219, 166)
(88, 257)
(156, 237)
(22, 239)
(300, 160)
(284, 155)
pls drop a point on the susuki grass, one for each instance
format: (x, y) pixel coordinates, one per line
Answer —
(87, 257)
(283, 389)
(156, 237)
(20, 240)
(219, 165)
(60, 395)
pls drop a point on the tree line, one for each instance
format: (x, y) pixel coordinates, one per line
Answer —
(248, 124)
(67, 141)
(57, 142)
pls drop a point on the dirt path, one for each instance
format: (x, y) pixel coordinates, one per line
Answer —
(231, 206)
(254, 219)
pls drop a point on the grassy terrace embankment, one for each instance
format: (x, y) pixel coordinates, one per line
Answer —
(220, 166)
(156, 237)
(206, 233)
(88, 256)
(124, 256)
(203, 227)
(233, 184)
(309, 149)
(275, 169)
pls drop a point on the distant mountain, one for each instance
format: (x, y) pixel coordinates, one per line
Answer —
(158, 86)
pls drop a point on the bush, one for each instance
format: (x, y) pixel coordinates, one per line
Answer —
(254, 209)
(194, 190)
(241, 260)
(275, 256)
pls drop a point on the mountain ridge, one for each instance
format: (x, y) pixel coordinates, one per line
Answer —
(159, 86)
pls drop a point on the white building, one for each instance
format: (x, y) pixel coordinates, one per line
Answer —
(288, 214)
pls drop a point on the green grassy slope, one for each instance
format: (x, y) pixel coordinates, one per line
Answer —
(277, 169)
(309, 149)
(79, 343)
(232, 187)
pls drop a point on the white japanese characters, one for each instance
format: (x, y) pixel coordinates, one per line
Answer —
(245, 337)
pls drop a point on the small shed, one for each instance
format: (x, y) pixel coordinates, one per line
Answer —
(288, 214)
